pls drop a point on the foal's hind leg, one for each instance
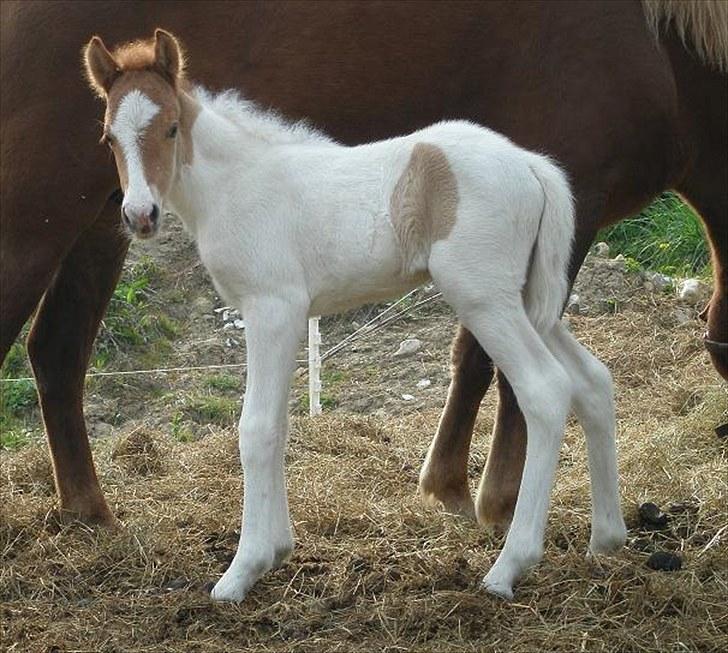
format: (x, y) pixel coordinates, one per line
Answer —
(59, 347)
(543, 389)
(444, 475)
(593, 403)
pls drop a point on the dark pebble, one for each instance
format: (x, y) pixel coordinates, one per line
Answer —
(208, 586)
(679, 507)
(177, 584)
(642, 544)
(722, 431)
(664, 561)
(652, 517)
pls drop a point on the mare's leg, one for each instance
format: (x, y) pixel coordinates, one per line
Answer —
(273, 329)
(444, 475)
(593, 403)
(59, 347)
(707, 192)
(543, 388)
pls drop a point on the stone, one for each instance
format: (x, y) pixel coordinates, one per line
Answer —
(100, 429)
(408, 347)
(682, 316)
(659, 281)
(573, 307)
(238, 324)
(408, 397)
(618, 263)
(601, 249)
(424, 383)
(692, 291)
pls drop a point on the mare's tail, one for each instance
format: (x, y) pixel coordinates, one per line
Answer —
(547, 283)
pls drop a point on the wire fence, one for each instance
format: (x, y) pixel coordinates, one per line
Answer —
(382, 319)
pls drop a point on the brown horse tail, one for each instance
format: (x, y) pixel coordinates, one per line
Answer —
(547, 283)
(702, 23)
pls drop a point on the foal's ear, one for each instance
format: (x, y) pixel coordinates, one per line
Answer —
(168, 54)
(101, 69)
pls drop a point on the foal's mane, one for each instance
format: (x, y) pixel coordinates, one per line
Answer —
(230, 105)
(702, 22)
(266, 125)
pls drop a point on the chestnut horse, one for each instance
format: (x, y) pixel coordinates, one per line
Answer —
(630, 97)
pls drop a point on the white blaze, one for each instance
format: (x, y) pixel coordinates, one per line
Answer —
(136, 111)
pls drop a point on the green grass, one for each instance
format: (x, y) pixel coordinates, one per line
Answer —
(208, 409)
(18, 400)
(134, 318)
(224, 383)
(666, 237)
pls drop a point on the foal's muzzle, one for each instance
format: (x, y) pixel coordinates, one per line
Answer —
(143, 223)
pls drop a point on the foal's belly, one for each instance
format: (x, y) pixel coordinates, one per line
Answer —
(355, 293)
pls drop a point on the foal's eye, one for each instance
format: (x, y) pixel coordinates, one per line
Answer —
(172, 132)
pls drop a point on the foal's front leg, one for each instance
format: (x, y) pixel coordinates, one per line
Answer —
(273, 328)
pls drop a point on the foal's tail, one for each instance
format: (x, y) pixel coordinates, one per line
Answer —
(547, 283)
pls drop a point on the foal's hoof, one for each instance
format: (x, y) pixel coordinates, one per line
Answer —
(497, 588)
(230, 589)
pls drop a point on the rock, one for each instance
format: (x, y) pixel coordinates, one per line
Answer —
(642, 544)
(424, 383)
(659, 281)
(573, 307)
(100, 429)
(664, 561)
(722, 431)
(681, 316)
(239, 324)
(652, 517)
(618, 263)
(177, 584)
(408, 347)
(601, 250)
(227, 326)
(408, 397)
(692, 291)
(202, 305)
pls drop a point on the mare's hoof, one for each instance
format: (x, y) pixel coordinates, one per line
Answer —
(455, 503)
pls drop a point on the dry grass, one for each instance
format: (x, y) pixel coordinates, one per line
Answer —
(373, 570)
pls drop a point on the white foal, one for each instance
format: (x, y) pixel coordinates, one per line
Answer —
(291, 224)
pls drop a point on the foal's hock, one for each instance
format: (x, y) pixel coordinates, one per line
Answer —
(290, 223)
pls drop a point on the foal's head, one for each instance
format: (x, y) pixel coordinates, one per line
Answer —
(140, 83)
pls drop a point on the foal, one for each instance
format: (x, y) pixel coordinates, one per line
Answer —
(289, 224)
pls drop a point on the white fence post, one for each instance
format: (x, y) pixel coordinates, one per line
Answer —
(314, 367)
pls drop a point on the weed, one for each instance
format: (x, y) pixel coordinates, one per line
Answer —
(18, 399)
(667, 236)
(223, 383)
(133, 318)
(179, 431)
(206, 409)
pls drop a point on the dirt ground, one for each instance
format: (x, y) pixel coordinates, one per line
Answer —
(373, 570)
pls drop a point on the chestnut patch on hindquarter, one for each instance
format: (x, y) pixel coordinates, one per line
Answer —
(424, 202)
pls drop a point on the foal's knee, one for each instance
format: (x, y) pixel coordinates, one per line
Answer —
(259, 440)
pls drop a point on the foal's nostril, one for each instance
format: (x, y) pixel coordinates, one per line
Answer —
(155, 213)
